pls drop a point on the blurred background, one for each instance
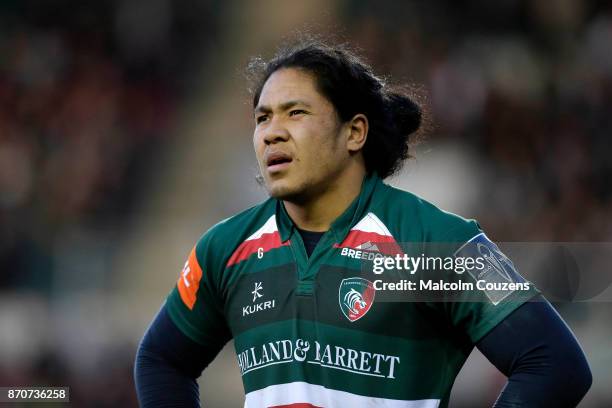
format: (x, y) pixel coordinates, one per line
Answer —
(125, 132)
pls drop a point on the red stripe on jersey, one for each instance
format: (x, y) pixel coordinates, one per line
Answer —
(267, 242)
(296, 405)
(385, 243)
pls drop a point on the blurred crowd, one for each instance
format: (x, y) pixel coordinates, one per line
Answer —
(88, 96)
(529, 83)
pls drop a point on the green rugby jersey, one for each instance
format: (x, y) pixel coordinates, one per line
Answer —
(310, 331)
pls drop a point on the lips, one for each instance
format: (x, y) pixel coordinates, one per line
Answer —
(277, 160)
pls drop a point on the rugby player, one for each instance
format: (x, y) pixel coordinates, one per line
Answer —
(279, 278)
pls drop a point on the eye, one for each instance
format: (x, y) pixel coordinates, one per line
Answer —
(296, 112)
(261, 118)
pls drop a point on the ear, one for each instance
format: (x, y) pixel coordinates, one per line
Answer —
(357, 132)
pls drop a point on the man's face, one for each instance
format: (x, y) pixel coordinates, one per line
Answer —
(297, 137)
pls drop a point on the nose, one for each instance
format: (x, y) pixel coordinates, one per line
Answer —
(275, 133)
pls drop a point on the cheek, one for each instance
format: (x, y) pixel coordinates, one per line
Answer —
(258, 144)
(326, 144)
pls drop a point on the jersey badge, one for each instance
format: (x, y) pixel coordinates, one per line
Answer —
(356, 296)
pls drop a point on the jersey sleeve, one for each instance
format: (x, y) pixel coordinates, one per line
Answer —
(195, 304)
(497, 288)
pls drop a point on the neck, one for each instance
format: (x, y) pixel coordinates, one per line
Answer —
(320, 211)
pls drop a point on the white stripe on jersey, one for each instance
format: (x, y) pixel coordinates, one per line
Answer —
(319, 396)
(268, 228)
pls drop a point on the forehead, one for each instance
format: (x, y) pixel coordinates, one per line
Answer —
(290, 84)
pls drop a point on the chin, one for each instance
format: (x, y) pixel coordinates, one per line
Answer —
(279, 191)
(283, 190)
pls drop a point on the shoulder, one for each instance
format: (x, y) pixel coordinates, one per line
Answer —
(219, 242)
(414, 218)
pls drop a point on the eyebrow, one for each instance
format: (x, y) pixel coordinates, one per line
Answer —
(283, 106)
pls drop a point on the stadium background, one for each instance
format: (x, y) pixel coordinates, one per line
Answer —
(125, 132)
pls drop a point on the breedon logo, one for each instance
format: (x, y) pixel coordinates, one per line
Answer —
(356, 296)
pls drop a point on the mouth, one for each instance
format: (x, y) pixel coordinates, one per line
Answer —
(277, 161)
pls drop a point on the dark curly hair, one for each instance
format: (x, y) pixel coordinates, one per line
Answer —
(352, 87)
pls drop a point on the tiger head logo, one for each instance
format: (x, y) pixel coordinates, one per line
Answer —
(354, 301)
(355, 296)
